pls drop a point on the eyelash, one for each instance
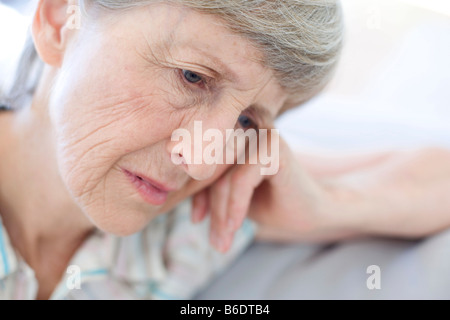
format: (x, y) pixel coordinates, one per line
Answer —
(205, 84)
(249, 113)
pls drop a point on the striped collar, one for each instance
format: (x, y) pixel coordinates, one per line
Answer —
(133, 258)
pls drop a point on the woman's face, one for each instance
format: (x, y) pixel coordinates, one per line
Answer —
(128, 81)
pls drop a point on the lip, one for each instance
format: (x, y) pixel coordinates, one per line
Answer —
(151, 191)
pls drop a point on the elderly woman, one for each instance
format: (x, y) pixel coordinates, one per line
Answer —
(87, 160)
(91, 201)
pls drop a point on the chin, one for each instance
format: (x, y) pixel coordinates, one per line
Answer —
(121, 224)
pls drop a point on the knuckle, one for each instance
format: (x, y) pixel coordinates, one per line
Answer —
(238, 178)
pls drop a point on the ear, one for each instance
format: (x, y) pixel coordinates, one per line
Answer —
(49, 32)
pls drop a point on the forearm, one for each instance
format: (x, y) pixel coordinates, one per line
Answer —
(399, 193)
(404, 194)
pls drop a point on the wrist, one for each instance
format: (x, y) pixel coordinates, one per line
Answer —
(343, 210)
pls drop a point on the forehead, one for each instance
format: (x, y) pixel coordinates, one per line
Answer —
(190, 37)
(189, 32)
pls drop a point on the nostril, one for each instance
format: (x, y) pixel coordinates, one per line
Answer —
(179, 158)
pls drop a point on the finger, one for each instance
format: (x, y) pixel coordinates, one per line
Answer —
(218, 197)
(244, 181)
(242, 186)
(200, 206)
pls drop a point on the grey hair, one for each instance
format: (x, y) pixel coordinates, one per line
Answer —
(300, 40)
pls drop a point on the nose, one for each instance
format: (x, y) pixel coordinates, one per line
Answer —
(199, 146)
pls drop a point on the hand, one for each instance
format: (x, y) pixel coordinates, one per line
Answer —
(289, 205)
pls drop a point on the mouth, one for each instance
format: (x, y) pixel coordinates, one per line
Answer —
(151, 191)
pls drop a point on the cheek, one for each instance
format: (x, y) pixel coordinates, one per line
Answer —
(91, 141)
(93, 136)
(96, 125)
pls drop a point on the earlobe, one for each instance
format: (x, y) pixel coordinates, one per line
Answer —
(49, 32)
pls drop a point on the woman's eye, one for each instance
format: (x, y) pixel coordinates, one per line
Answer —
(247, 123)
(191, 77)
